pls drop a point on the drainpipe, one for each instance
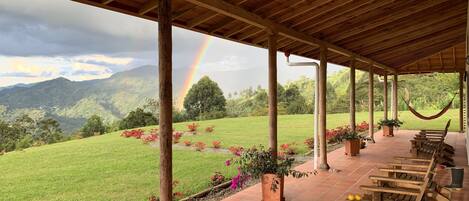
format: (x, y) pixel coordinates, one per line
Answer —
(316, 104)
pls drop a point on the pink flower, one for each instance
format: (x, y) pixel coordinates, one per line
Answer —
(228, 162)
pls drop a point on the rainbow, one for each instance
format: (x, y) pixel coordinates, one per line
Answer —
(192, 71)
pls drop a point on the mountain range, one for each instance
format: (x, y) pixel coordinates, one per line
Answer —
(72, 102)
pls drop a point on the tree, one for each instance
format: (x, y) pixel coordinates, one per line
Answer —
(138, 118)
(205, 100)
(93, 125)
(49, 131)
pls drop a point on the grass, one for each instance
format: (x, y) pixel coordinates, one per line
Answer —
(110, 167)
(105, 167)
(250, 131)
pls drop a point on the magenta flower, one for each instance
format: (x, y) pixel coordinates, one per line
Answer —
(228, 162)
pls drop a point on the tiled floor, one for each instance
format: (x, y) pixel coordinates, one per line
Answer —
(351, 172)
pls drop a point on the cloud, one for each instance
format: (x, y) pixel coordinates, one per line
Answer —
(97, 58)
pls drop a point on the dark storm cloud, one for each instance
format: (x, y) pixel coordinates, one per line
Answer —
(60, 27)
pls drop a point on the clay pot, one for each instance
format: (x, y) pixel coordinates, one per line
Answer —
(267, 193)
(352, 147)
(388, 131)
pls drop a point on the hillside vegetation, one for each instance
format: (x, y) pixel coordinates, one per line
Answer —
(110, 167)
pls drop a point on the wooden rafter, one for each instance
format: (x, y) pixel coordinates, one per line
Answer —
(105, 2)
(207, 16)
(441, 60)
(148, 6)
(255, 20)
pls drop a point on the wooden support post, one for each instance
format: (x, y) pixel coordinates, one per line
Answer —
(352, 94)
(394, 96)
(272, 42)
(467, 82)
(322, 108)
(166, 99)
(385, 95)
(371, 103)
(461, 100)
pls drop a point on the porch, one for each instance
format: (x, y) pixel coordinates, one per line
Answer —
(348, 173)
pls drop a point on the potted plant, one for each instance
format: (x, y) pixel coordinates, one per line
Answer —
(352, 143)
(260, 163)
(388, 126)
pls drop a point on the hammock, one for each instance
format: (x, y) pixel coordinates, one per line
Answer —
(439, 114)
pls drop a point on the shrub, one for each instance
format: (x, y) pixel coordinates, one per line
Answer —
(192, 127)
(216, 179)
(288, 149)
(149, 138)
(389, 122)
(25, 142)
(187, 143)
(209, 129)
(136, 133)
(138, 118)
(309, 142)
(93, 126)
(176, 137)
(236, 150)
(199, 146)
(216, 144)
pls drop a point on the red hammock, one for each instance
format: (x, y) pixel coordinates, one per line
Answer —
(439, 114)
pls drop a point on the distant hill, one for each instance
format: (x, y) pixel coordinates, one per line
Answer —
(72, 102)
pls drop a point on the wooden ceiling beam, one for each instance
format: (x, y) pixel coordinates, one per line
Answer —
(418, 44)
(454, 55)
(397, 14)
(255, 20)
(412, 27)
(106, 2)
(374, 46)
(148, 6)
(207, 16)
(446, 70)
(405, 59)
(318, 11)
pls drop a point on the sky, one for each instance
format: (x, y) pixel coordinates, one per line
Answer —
(43, 40)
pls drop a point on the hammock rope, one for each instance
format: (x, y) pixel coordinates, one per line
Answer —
(421, 116)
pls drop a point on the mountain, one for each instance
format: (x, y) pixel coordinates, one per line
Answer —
(72, 102)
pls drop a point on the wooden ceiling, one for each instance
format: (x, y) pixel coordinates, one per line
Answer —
(403, 36)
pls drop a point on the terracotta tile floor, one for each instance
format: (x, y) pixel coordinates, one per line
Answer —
(354, 171)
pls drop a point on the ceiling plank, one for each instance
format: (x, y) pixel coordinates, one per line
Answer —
(106, 2)
(148, 6)
(370, 24)
(201, 19)
(255, 20)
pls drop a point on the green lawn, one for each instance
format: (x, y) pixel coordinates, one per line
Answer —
(251, 131)
(110, 167)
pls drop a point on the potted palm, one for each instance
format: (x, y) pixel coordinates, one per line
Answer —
(388, 126)
(261, 164)
(352, 143)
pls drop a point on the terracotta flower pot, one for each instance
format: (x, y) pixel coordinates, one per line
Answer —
(388, 131)
(267, 193)
(352, 147)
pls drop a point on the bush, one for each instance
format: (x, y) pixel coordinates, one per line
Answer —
(289, 149)
(199, 146)
(209, 129)
(187, 143)
(309, 142)
(25, 142)
(236, 150)
(216, 144)
(216, 179)
(192, 127)
(136, 133)
(176, 137)
(137, 118)
(94, 125)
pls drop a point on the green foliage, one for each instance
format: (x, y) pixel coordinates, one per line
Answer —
(25, 142)
(205, 100)
(389, 122)
(48, 131)
(92, 126)
(137, 118)
(350, 136)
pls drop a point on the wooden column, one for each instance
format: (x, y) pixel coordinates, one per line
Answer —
(166, 99)
(322, 108)
(385, 96)
(272, 42)
(352, 94)
(394, 97)
(461, 100)
(371, 103)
